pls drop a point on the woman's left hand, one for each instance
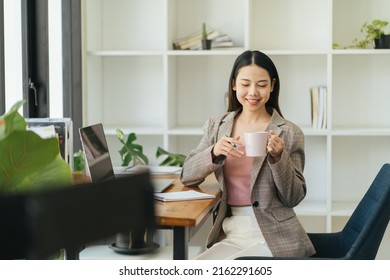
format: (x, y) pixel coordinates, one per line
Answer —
(275, 145)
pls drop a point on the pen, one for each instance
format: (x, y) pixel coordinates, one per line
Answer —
(235, 146)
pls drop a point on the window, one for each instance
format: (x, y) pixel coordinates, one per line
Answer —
(40, 58)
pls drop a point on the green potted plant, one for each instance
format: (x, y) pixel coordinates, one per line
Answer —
(375, 36)
(206, 43)
(132, 153)
(28, 162)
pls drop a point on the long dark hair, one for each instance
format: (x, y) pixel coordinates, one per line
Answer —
(263, 61)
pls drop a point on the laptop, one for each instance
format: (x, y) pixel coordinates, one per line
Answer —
(98, 159)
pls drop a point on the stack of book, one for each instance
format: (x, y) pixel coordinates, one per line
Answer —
(222, 41)
(318, 96)
(194, 41)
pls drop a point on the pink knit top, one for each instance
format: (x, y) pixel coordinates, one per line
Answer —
(238, 177)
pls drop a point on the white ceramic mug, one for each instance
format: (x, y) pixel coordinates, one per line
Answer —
(256, 143)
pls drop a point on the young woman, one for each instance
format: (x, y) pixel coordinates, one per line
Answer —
(256, 215)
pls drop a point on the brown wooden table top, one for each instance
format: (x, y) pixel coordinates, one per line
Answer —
(187, 213)
(179, 213)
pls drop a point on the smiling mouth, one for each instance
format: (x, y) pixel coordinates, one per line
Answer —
(253, 101)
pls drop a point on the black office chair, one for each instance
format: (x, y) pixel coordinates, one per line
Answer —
(38, 225)
(363, 233)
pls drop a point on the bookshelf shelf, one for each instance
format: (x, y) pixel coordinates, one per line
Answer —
(361, 131)
(212, 52)
(111, 130)
(361, 52)
(125, 53)
(313, 208)
(308, 131)
(136, 81)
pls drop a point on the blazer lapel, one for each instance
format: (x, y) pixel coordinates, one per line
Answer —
(257, 163)
(226, 126)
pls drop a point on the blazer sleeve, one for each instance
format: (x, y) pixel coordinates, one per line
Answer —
(199, 163)
(288, 171)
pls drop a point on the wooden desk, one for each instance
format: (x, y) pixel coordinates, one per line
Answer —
(186, 217)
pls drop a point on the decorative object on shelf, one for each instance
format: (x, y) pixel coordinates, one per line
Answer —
(172, 159)
(206, 42)
(376, 36)
(194, 41)
(318, 98)
(131, 152)
(29, 162)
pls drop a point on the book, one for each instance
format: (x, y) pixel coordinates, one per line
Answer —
(222, 44)
(222, 41)
(222, 38)
(182, 195)
(63, 131)
(320, 108)
(318, 96)
(323, 104)
(314, 97)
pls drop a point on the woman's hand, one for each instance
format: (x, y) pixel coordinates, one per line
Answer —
(228, 146)
(275, 145)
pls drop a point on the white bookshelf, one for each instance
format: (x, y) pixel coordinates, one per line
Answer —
(135, 81)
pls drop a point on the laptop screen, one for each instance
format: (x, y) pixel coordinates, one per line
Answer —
(97, 156)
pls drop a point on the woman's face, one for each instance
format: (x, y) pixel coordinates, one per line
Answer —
(253, 87)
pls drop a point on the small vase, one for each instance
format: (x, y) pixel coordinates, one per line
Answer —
(206, 44)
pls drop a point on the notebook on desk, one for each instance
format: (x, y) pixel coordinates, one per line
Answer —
(98, 159)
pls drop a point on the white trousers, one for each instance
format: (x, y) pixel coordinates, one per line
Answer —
(243, 238)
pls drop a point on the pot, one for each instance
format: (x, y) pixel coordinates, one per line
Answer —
(383, 42)
(206, 44)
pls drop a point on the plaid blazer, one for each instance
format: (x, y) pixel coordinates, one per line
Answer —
(276, 187)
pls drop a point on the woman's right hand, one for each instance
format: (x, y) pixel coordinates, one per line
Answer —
(228, 146)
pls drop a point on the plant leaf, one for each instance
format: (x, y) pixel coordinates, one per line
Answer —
(131, 152)
(119, 134)
(12, 120)
(55, 174)
(23, 154)
(172, 159)
(131, 138)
